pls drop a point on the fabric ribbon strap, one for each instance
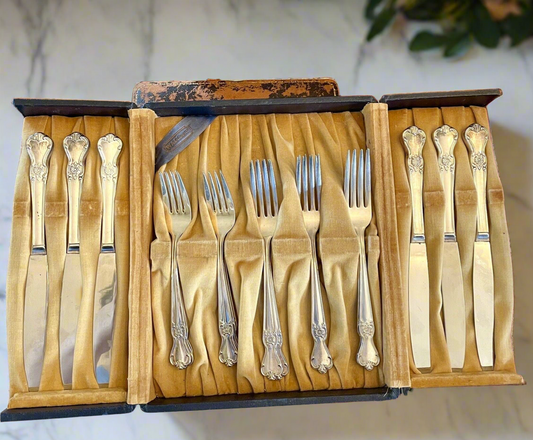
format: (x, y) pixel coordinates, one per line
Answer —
(180, 137)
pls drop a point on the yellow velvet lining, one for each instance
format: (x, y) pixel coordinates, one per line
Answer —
(429, 119)
(56, 212)
(229, 144)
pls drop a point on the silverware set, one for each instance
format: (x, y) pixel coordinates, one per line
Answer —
(274, 365)
(39, 147)
(452, 289)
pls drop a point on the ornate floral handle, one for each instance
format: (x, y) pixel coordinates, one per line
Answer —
(38, 146)
(321, 359)
(76, 146)
(227, 318)
(181, 355)
(109, 148)
(445, 139)
(274, 365)
(414, 139)
(368, 355)
(476, 137)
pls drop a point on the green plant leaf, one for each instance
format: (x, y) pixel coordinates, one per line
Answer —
(382, 20)
(485, 30)
(370, 9)
(426, 40)
(457, 43)
(518, 27)
(423, 10)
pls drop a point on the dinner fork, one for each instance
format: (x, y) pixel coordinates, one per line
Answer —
(178, 206)
(274, 365)
(218, 197)
(358, 195)
(309, 183)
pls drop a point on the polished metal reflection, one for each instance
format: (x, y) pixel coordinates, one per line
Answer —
(274, 365)
(76, 146)
(38, 147)
(477, 137)
(109, 148)
(177, 204)
(414, 140)
(445, 138)
(309, 184)
(358, 195)
(219, 200)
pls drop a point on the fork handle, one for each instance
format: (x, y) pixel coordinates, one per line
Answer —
(181, 354)
(321, 359)
(274, 365)
(227, 318)
(367, 355)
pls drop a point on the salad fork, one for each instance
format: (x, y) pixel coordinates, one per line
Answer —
(358, 195)
(274, 365)
(218, 197)
(178, 206)
(309, 183)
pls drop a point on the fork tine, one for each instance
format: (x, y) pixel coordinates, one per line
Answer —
(227, 194)
(207, 193)
(253, 185)
(164, 191)
(221, 197)
(173, 207)
(368, 180)
(353, 178)
(318, 174)
(312, 190)
(360, 179)
(260, 201)
(305, 183)
(347, 178)
(273, 187)
(214, 193)
(266, 183)
(184, 195)
(177, 192)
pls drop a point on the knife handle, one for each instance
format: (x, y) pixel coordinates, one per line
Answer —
(38, 146)
(109, 148)
(414, 140)
(445, 139)
(476, 137)
(75, 146)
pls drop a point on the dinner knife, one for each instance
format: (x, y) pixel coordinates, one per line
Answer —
(414, 139)
(75, 146)
(477, 137)
(109, 148)
(445, 139)
(38, 146)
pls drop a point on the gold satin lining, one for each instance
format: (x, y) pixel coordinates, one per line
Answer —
(51, 388)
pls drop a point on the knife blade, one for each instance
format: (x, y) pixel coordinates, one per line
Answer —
(414, 140)
(445, 139)
(109, 148)
(76, 146)
(476, 137)
(38, 147)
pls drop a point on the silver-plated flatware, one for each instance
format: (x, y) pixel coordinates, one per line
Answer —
(414, 140)
(177, 203)
(309, 183)
(76, 146)
(109, 148)
(219, 199)
(476, 137)
(38, 146)
(358, 195)
(445, 139)
(274, 365)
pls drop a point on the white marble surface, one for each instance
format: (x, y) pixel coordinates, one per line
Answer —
(99, 49)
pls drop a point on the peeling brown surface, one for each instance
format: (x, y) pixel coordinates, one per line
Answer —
(216, 89)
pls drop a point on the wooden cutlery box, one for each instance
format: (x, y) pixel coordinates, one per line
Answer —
(277, 120)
